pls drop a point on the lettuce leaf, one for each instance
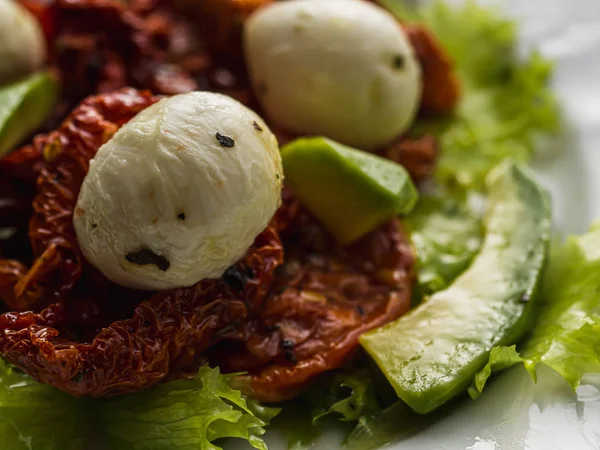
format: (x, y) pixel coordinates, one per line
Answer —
(295, 424)
(506, 104)
(186, 414)
(182, 415)
(357, 391)
(37, 416)
(567, 336)
(446, 235)
(345, 396)
(351, 395)
(389, 425)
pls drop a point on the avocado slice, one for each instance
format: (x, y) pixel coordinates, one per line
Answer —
(350, 191)
(432, 354)
(24, 105)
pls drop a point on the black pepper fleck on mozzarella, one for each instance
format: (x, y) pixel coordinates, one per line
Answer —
(398, 62)
(146, 257)
(225, 141)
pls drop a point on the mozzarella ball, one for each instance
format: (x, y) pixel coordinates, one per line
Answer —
(22, 43)
(342, 69)
(179, 193)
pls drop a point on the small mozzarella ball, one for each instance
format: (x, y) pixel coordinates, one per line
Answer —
(345, 70)
(179, 193)
(22, 43)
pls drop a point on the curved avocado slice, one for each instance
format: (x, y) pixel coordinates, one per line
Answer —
(432, 354)
(350, 191)
(24, 105)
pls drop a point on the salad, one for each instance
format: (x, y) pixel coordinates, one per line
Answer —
(224, 217)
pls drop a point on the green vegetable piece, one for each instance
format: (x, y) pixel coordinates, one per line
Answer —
(38, 416)
(185, 414)
(182, 414)
(432, 354)
(350, 191)
(24, 105)
(351, 395)
(567, 334)
(446, 235)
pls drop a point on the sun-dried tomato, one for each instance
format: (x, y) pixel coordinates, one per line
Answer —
(104, 45)
(98, 46)
(285, 325)
(165, 335)
(417, 154)
(22, 167)
(44, 12)
(14, 207)
(18, 173)
(66, 153)
(441, 87)
(323, 299)
(223, 21)
(100, 339)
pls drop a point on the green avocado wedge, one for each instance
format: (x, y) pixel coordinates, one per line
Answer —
(350, 191)
(432, 354)
(24, 105)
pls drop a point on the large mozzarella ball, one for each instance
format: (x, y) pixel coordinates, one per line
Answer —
(343, 69)
(22, 43)
(179, 193)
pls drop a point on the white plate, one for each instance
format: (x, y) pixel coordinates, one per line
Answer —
(515, 414)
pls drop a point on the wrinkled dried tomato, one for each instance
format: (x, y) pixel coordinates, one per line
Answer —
(417, 154)
(104, 45)
(14, 207)
(284, 325)
(441, 87)
(66, 154)
(323, 298)
(18, 173)
(80, 343)
(165, 336)
(223, 21)
(99, 46)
